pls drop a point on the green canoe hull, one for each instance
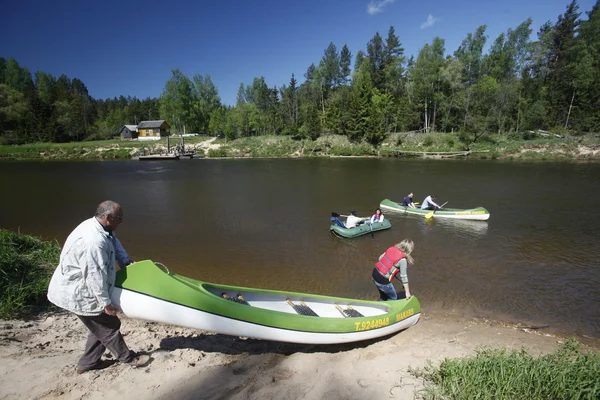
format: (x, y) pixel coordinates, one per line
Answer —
(147, 292)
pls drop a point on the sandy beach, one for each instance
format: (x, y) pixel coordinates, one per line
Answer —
(39, 357)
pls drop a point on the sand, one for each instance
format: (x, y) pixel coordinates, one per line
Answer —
(39, 357)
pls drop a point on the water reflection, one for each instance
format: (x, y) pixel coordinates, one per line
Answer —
(462, 227)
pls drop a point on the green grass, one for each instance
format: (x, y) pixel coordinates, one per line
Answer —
(26, 265)
(499, 374)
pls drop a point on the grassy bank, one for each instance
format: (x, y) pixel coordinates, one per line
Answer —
(568, 373)
(407, 144)
(26, 265)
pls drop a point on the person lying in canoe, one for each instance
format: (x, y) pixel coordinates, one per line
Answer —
(377, 217)
(408, 202)
(395, 260)
(353, 220)
(429, 203)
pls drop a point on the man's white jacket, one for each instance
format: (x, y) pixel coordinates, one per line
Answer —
(85, 277)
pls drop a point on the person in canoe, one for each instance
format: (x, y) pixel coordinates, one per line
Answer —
(408, 201)
(377, 217)
(429, 203)
(394, 261)
(352, 220)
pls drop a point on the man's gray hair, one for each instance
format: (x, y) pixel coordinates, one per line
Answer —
(107, 207)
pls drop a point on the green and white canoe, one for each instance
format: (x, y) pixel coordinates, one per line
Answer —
(478, 213)
(145, 291)
(361, 229)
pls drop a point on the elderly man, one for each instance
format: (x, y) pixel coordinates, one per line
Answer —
(84, 280)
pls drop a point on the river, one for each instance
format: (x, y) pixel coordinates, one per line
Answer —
(264, 223)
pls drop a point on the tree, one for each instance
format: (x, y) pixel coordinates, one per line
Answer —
(587, 81)
(426, 75)
(470, 54)
(176, 101)
(360, 104)
(360, 57)
(393, 64)
(13, 108)
(206, 101)
(289, 101)
(329, 68)
(345, 62)
(376, 53)
(562, 55)
(241, 96)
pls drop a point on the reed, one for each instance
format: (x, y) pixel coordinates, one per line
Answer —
(26, 265)
(568, 373)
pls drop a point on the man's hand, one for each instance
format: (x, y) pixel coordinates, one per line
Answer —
(111, 310)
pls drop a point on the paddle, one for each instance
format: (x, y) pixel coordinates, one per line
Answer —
(429, 215)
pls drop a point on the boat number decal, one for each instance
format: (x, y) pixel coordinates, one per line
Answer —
(405, 314)
(375, 323)
(469, 212)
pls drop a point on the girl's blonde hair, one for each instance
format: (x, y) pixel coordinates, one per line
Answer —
(406, 246)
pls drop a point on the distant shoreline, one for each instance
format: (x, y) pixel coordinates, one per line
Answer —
(401, 145)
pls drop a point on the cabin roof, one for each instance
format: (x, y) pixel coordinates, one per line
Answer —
(151, 124)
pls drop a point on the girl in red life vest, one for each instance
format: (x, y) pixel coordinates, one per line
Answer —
(394, 261)
(377, 217)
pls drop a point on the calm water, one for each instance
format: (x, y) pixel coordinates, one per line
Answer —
(264, 223)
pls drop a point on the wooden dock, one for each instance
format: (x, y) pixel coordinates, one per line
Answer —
(159, 157)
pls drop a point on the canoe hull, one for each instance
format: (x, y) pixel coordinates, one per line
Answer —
(144, 291)
(139, 306)
(474, 214)
(363, 229)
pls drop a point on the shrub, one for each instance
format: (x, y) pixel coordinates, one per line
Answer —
(216, 153)
(26, 265)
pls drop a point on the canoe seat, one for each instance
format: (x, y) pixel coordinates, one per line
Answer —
(302, 309)
(349, 312)
(239, 299)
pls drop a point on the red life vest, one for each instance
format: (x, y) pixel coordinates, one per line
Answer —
(386, 265)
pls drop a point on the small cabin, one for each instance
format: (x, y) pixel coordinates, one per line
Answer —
(153, 130)
(128, 132)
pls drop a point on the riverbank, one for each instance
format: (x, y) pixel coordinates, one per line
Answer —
(39, 351)
(408, 144)
(39, 357)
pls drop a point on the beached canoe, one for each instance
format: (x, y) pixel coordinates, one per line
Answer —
(145, 291)
(478, 213)
(361, 229)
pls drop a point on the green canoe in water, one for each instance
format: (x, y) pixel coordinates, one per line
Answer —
(362, 229)
(476, 214)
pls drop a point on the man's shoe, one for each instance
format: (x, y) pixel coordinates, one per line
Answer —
(99, 365)
(141, 360)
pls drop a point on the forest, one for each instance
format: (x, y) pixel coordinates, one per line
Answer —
(523, 82)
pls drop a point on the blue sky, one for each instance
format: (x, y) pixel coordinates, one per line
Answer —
(130, 47)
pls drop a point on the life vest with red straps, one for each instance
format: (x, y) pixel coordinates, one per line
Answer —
(386, 265)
